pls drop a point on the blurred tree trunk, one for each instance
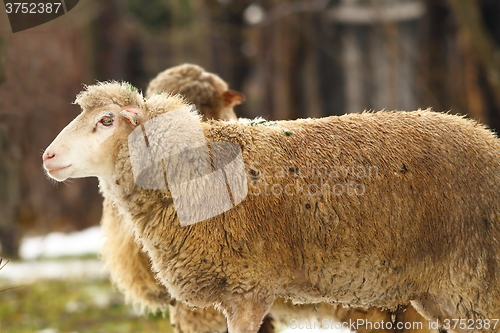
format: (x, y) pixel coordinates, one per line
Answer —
(221, 31)
(490, 11)
(481, 44)
(280, 63)
(437, 54)
(9, 183)
(329, 68)
(9, 193)
(3, 75)
(117, 52)
(476, 21)
(285, 60)
(227, 37)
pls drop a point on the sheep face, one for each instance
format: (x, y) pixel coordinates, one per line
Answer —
(85, 147)
(206, 90)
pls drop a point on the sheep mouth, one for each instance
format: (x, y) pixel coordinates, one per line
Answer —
(52, 171)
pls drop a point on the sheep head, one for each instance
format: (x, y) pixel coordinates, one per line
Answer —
(206, 90)
(158, 144)
(110, 112)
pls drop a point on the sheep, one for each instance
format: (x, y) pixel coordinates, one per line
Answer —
(207, 91)
(373, 209)
(129, 266)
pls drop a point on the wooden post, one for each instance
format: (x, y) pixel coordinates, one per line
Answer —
(379, 47)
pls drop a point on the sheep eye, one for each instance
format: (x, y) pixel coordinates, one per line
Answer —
(106, 121)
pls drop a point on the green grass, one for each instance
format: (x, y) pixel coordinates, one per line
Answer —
(91, 306)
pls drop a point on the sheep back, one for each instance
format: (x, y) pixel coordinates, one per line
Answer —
(422, 204)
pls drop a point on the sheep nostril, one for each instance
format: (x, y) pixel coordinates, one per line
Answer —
(47, 156)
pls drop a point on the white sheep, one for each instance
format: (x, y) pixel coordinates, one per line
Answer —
(374, 209)
(129, 266)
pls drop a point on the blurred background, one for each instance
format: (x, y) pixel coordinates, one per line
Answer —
(291, 58)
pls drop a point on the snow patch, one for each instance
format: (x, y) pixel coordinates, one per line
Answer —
(30, 271)
(58, 244)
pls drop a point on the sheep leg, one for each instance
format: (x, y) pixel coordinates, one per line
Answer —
(411, 315)
(429, 308)
(184, 319)
(453, 307)
(128, 265)
(246, 315)
(267, 325)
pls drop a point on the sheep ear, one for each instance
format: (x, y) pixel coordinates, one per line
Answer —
(232, 98)
(131, 116)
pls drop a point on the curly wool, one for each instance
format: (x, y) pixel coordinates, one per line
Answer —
(129, 266)
(106, 93)
(205, 90)
(280, 129)
(431, 210)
